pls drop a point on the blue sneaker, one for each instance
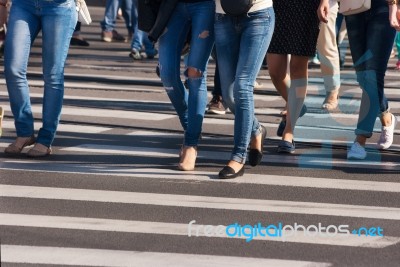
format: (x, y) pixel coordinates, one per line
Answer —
(286, 147)
(282, 124)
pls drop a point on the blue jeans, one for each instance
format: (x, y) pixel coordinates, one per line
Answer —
(242, 43)
(371, 40)
(110, 14)
(140, 38)
(57, 20)
(190, 106)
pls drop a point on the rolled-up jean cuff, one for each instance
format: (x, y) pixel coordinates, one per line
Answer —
(363, 133)
(256, 132)
(238, 159)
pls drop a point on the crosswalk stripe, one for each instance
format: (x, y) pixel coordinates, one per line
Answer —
(117, 258)
(303, 159)
(106, 113)
(181, 229)
(311, 208)
(308, 159)
(69, 128)
(327, 137)
(259, 179)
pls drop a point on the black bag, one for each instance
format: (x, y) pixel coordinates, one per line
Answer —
(147, 14)
(236, 7)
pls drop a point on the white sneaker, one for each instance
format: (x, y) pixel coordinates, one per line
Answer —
(386, 138)
(356, 151)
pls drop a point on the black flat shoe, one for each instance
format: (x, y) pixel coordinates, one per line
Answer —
(255, 155)
(79, 42)
(229, 173)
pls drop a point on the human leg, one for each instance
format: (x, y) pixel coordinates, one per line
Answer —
(23, 28)
(240, 55)
(329, 57)
(57, 31)
(371, 40)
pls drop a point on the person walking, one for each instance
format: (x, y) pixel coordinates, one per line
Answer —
(371, 38)
(108, 33)
(329, 57)
(56, 20)
(140, 39)
(296, 34)
(241, 43)
(196, 16)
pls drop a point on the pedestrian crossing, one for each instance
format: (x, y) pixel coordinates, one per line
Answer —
(112, 196)
(35, 222)
(117, 258)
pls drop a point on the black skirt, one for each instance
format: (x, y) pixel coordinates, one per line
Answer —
(296, 27)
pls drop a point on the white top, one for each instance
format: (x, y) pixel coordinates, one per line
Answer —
(258, 5)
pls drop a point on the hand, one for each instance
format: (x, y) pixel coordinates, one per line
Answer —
(394, 17)
(323, 11)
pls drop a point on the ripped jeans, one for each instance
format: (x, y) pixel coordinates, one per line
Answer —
(190, 104)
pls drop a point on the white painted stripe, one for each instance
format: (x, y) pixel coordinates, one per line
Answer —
(309, 158)
(302, 124)
(119, 258)
(249, 178)
(86, 85)
(70, 97)
(310, 208)
(69, 128)
(151, 133)
(106, 113)
(195, 230)
(302, 159)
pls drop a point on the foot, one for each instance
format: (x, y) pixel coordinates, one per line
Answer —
(216, 106)
(331, 101)
(232, 170)
(286, 147)
(188, 158)
(112, 36)
(356, 151)
(135, 54)
(19, 144)
(257, 147)
(79, 41)
(39, 150)
(386, 138)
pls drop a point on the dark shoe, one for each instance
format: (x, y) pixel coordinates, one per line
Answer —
(286, 147)
(281, 127)
(146, 55)
(282, 124)
(303, 110)
(79, 42)
(158, 70)
(255, 155)
(229, 173)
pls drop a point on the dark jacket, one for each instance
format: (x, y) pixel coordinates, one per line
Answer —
(154, 15)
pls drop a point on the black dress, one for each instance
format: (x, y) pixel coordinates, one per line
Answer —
(296, 27)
